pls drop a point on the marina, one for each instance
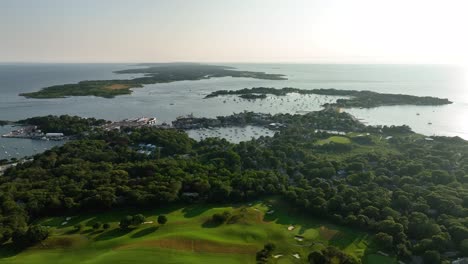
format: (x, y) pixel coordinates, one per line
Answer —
(18, 148)
(231, 134)
(33, 132)
(232, 129)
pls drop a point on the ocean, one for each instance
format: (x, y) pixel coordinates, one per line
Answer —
(170, 100)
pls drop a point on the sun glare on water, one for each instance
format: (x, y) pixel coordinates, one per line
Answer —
(464, 84)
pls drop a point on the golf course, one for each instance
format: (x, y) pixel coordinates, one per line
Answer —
(191, 236)
(335, 139)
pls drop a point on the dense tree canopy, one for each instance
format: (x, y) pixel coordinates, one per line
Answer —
(410, 191)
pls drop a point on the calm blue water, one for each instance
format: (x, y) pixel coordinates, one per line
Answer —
(168, 101)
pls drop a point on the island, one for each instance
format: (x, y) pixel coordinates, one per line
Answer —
(152, 73)
(361, 99)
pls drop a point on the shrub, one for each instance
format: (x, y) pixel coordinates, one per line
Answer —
(96, 225)
(221, 218)
(138, 219)
(162, 219)
(126, 222)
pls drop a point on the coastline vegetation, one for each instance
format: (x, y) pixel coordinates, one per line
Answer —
(5, 122)
(406, 191)
(253, 96)
(68, 125)
(152, 73)
(85, 88)
(364, 99)
(327, 119)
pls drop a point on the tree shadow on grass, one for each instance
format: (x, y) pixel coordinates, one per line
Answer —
(371, 255)
(95, 232)
(302, 221)
(87, 231)
(72, 232)
(210, 224)
(145, 232)
(9, 250)
(196, 210)
(114, 233)
(285, 216)
(344, 239)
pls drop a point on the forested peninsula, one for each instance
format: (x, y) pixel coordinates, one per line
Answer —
(397, 192)
(364, 99)
(153, 73)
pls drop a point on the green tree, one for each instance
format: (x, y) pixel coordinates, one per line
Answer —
(269, 247)
(464, 247)
(34, 234)
(162, 219)
(431, 257)
(138, 219)
(317, 257)
(126, 222)
(96, 225)
(384, 240)
(220, 218)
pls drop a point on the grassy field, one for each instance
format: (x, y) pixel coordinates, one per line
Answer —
(335, 139)
(190, 237)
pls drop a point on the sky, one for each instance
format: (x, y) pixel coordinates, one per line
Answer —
(312, 31)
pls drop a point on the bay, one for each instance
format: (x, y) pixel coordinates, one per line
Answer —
(169, 100)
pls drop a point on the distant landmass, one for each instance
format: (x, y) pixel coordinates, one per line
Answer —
(153, 73)
(364, 99)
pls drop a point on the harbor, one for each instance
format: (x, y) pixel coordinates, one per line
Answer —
(131, 123)
(231, 134)
(33, 132)
(18, 141)
(17, 148)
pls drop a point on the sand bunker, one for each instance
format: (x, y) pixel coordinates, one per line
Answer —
(299, 238)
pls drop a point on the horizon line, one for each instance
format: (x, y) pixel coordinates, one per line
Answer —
(234, 62)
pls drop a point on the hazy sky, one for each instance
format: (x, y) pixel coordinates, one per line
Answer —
(395, 31)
